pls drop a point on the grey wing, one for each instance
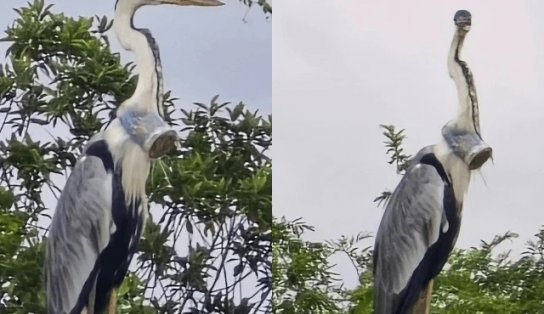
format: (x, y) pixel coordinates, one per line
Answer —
(410, 225)
(79, 231)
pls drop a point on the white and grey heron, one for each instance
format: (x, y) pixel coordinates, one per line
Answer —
(421, 222)
(102, 210)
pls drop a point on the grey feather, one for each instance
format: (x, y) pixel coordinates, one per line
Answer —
(79, 231)
(411, 224)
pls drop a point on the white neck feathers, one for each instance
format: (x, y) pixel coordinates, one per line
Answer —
(468, 115)
(148, 94)
(132, 158)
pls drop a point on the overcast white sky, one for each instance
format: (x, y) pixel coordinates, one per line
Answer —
(341, 68)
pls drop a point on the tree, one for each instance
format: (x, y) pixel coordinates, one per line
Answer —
(207, 246)
(476, 280)
(302, 278)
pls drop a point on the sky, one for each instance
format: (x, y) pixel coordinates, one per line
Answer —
(340, 69)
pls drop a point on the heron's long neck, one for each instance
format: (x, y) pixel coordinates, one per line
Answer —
(148, 95)
(468, 116)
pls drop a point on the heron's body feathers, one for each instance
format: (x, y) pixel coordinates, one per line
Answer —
(419, 228)
(80, 230)
(96, 226)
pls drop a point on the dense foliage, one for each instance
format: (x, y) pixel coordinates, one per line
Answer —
(302, 278)
(207, 248)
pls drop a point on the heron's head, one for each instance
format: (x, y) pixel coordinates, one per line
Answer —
(139, 3)
(150, 131)
(467, 145)
(463, 20)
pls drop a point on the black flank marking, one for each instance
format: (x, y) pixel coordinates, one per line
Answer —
(436, 256)
(100, 149)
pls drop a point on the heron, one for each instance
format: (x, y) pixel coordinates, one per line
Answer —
(102, 209)
(421, 221)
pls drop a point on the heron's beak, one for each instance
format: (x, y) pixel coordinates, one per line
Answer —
(468, 146)
(201, 3)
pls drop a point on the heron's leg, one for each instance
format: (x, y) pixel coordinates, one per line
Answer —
(428, 296)
(112, 308)
(92, 296)
(423, 304)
